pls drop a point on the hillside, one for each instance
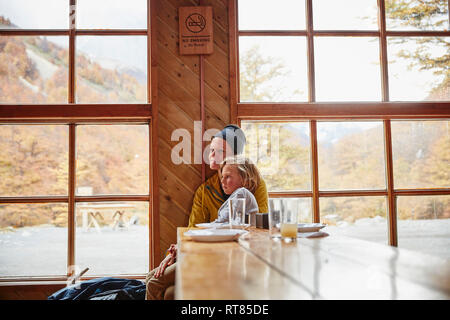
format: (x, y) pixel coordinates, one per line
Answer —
(35, 70)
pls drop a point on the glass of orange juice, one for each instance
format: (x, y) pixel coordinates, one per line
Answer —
(288, 223)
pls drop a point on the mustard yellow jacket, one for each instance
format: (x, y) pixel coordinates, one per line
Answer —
(209, 197)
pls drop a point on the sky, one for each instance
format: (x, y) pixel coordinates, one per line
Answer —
(42, 14)
(109, 51)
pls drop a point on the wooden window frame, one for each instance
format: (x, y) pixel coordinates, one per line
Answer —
(73, 114)
(313, 111)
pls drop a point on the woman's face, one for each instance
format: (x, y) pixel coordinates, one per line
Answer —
(231, 180)
(218, 151)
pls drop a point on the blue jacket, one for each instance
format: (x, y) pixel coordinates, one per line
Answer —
(102, 289)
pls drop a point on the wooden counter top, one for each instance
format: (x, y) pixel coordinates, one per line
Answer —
(256, 267)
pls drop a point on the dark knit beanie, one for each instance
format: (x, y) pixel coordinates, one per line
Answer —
(234, 136)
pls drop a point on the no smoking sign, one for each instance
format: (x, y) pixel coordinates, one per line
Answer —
(196, 30)
(195, 23)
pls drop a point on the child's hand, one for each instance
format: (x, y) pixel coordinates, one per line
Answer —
(168, 260)
(163, 265)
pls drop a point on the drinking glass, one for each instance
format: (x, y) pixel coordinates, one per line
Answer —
(274, 224)
(289, 221)
(237, 213)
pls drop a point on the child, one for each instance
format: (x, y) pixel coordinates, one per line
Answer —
(239, 178)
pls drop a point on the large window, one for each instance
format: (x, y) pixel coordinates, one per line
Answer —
(346, 106)
(75, 138)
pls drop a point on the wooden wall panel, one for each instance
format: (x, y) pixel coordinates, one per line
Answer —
(189, 171)
(181, 75)
(179, 106)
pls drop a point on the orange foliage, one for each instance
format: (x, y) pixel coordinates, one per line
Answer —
(22, 81)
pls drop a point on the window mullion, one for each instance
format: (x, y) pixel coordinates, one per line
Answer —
(391, 198)
(310, 46)
(72, 23)
(383, 51)
(71, 206)
(314, 171)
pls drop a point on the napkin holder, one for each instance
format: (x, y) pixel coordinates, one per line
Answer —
(262, 220)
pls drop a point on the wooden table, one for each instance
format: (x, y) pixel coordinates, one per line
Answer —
(334, 267)
(91, 213)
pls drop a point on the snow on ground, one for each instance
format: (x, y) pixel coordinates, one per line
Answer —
(37, 251)
(426, 236)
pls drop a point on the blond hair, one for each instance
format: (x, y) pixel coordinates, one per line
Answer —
(247, 171)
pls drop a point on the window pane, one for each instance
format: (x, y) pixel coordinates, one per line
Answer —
(351, 155)
(273, 69)
(418, 68)
(111, 69)
(33, 69)
(112, 159)
(416, 15)
(111, 14)
(33, 239)
(359, 217)
(112, 238)
(424, 224)
(32, 14)
(282, 153)
(33, 160)
(347, 69)
(421, 154)
(353, 15)
(302, 204)
(268, 15)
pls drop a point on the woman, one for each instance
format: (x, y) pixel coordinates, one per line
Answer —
(239, 178)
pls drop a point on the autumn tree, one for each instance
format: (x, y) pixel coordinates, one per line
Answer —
(259, 77)
(424, 15)
(281, 154)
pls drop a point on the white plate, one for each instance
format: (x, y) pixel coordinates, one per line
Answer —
(215, 235)
(310, 227)
(317, 234)
(241, 226)
(209, 225)
(220, 225)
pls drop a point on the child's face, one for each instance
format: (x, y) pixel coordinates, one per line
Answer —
(231, 180)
